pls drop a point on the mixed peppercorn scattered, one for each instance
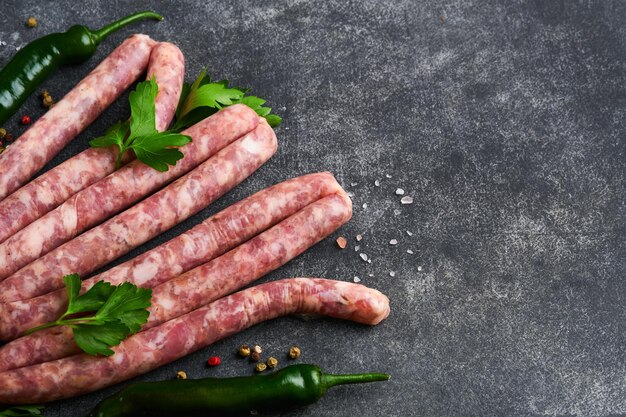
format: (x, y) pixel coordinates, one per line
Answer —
(254, 355)
(31, 22)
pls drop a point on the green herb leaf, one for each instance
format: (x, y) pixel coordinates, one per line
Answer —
(156, 150)
(23, 411)
(203, 98)
(91, 300)
(114, 136)
(273, 120)
(97, 338)
(140, 130)
(142, 108)
(119, 312)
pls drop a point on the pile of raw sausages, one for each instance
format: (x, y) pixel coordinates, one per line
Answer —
(82, 214)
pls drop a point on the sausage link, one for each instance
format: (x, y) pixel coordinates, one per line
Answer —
(44, 193)
(120, 190)
(176, 338)
(147, 219)
(211, 281)
(213, 237)
(72, 114)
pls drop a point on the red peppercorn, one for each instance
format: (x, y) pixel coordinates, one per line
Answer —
(25, 120)
(214, 361)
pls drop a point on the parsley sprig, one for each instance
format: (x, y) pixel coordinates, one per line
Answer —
(197, 102)
(156, 149)
(23, 411)
(104, 315)
(204, 98)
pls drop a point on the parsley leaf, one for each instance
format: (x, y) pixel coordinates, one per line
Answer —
(203, 98)
(256, 104)
(137, 133)
(23, 411)
(142, 108)
(116, 312)
(114, 136)
(153, 149)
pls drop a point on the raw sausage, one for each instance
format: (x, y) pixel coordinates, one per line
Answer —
(230, 272)
(176, 338)
(71, 115)
(213, 237)
(145, 220)
(249, 261)
(120, 190)
(44, 193)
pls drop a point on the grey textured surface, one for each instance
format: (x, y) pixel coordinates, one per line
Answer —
(504, 120)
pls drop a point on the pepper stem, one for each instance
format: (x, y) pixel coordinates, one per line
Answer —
(330, 380)
(100, 34)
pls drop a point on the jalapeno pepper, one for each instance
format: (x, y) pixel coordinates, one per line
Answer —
(32, 64)
(292, 386)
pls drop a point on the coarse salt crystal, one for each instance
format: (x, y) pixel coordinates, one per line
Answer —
(399, 191)
(356, 248)
(408, 232)
(369, 261)
(364, 206)
(363, 256)
(370, 275)
(352, 184)
(356, 279)
(350, 194)
(359, 238)
(409, 251)
(392, 274)
(388, 175)
(406, 200)
(377, 183)
(342, 242)
(419, 268)
(393, 242)
(397, 211)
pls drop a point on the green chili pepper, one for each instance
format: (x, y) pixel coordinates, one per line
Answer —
(32, 64)
(292, 386)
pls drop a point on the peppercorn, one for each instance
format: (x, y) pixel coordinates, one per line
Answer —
(25, 120)
(31, 22)
(255, 356)
(244, 351)
(8, 137)
(260, 367)
(181, 375)
(272, 362)
(214, 361)
(294, 352)
(257, 349)
(3, 132)
(48, 101)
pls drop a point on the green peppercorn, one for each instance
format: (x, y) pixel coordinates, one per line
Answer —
(272, 362)
(294, 352)
(244, 351)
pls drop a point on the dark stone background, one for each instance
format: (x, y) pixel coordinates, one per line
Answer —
(504, 121)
